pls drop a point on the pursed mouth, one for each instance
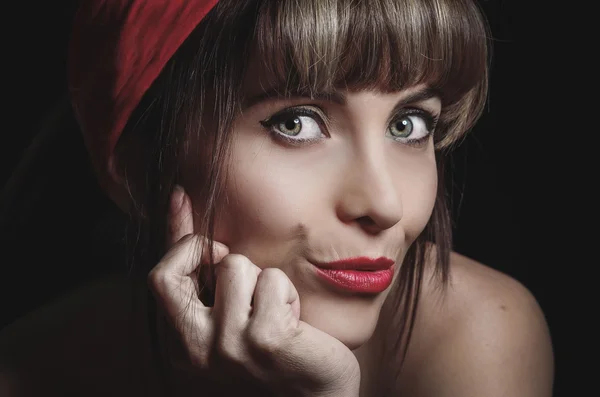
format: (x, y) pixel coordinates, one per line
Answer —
(357, 281)
(360, 263)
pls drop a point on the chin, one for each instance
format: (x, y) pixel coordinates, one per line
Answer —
(351, 320)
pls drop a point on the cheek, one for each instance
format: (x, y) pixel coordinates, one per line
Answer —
(258, 203)
(264, 205)
(418, 196)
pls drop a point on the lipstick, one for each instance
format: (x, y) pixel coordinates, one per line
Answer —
(360, 274)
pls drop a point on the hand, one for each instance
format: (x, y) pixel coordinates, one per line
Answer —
(253, 332)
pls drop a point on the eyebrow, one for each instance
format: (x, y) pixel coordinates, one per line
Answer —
(337, 97)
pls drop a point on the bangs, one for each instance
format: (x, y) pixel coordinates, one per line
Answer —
(318, 46)
(385, 44)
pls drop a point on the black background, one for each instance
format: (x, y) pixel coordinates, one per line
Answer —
(509, 188)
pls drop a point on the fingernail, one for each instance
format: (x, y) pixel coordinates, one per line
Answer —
(220, 246)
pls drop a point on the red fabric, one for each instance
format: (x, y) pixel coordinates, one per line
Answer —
(117, 49)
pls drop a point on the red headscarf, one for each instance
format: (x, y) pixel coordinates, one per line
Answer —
(117, 49)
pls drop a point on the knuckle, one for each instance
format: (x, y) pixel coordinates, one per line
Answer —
(236, 260)
(272, 275)
(234, 263)
(157, 279)
(260, 339)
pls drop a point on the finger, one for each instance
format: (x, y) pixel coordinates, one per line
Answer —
(186, 255)
(172, 280)
(173, 284)
(236, 278)
(180, 223)
(180, 220)
(274, 295)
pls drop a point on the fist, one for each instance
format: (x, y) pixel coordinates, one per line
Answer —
(252, 336)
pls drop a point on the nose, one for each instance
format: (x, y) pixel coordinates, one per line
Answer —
(369, 196)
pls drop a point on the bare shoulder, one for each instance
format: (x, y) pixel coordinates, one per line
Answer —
(484, 335)
(480, 291)
(72, 342)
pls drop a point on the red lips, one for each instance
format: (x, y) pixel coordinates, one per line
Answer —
(360, 274)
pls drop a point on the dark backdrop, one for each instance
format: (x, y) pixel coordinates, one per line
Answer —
(505, 179)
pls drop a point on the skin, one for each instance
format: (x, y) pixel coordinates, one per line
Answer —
(355, 192)
(485, 336)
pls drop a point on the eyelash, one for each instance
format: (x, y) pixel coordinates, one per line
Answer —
(429, 119)
(293, 111)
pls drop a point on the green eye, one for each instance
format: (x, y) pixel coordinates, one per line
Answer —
(402, 128)
(290, 126)
(296, 125)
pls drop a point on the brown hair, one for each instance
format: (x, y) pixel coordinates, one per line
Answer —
(313, 46)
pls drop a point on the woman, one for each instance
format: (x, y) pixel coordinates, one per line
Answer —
(282, 166)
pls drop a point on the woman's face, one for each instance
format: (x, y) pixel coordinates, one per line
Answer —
(322, 180)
